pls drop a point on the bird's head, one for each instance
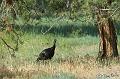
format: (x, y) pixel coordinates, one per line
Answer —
(55, 41)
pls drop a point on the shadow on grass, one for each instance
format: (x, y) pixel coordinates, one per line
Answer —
(66, 30)
(117, 26)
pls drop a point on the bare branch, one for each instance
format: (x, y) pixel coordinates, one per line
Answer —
(50, 27)
(106, 9)
(9, 47)
(114, 11)
(6, 43)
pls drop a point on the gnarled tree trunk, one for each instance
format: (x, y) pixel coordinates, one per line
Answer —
(108, 37)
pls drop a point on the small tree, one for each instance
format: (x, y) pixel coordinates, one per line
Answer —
(7, 26)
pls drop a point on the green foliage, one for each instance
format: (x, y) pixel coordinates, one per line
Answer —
(76, 5)
(57, 5)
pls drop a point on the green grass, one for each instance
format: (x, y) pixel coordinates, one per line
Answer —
(66, 46)
(74, 55)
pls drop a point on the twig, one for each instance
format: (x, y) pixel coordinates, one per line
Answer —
(18, 39)
(6, 44)
(47, 30)
(9, 47)
(50, 27)
(114, 11)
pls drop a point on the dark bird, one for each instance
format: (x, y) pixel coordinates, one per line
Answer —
(47, 53)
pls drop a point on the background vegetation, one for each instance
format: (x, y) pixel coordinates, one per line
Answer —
(73, 24)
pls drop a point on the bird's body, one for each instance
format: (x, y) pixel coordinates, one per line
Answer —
(47, 53)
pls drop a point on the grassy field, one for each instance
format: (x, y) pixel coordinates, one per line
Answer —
(75, 54)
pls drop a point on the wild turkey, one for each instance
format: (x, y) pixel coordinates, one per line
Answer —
(47, 53)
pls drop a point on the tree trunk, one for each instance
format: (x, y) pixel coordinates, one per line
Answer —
(108, 37)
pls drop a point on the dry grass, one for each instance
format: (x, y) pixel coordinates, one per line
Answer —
(81, 67)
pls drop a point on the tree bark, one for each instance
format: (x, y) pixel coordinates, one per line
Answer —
(108, 36)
